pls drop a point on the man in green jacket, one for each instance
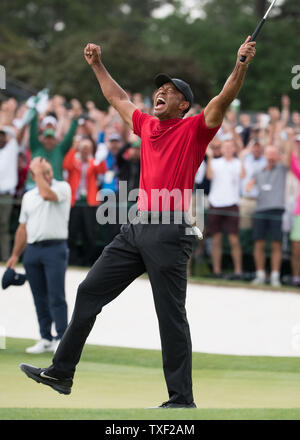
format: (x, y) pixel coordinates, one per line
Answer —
(48, 147)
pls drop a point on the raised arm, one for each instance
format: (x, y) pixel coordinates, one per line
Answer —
(39, 169)
(113, 93)
(215, 111)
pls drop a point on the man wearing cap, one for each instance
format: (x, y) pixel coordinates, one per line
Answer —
(42, 233)
(172, 148)
(47, 146)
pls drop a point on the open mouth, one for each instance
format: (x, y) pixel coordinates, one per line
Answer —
(160, 103)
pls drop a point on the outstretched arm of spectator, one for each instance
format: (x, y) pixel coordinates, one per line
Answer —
(285, 112)
(20, 134)
(215, 111)
(113, 93)
(67, 141)
(19, 246)
(33, 134)
(288, 147)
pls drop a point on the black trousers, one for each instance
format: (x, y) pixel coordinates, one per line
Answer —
(163, 251)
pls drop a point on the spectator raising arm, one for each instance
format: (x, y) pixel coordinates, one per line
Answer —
(215, 111)
(34, 142)
(67, 141)
(288, 147)
(114, 94)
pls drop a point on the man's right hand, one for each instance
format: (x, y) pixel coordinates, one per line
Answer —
(92, 54)
(12, 261)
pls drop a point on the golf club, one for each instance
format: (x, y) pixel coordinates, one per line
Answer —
(257, 30)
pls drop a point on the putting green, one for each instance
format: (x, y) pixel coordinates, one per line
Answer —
(113, 383)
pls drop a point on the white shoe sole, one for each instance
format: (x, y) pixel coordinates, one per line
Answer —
(46, 350)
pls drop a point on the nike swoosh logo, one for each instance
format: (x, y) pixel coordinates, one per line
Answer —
(42, 374)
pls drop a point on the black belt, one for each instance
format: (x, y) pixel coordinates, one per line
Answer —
(47, 242)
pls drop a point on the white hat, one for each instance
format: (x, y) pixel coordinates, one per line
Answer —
(49, 120)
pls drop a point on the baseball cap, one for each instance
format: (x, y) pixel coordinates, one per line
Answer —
(182, 86)
(12, 278)
(49, 132)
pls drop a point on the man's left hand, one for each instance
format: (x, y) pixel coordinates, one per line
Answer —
(247, 50)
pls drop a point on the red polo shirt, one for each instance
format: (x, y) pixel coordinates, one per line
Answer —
(171, 153)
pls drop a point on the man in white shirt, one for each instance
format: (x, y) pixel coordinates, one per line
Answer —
(43, 233)
(9, 150)
(224, 198)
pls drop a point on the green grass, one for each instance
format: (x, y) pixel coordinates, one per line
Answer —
(120, 383)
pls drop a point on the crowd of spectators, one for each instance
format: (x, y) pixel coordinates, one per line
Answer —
(250, 177)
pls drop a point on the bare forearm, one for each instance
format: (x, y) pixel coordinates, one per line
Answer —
(110, 88)
(44, 187)
(209, 172)
(233, 85)
(20, 241)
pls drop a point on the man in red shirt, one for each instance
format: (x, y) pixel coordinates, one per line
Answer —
(172, 148)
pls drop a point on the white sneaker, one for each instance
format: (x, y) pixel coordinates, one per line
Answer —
(42, 346)
(275, 282)
(275, 279)
(258, 280)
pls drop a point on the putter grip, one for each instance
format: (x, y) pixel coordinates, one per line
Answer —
(254, 35)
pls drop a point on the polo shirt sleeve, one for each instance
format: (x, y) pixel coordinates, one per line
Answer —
(23, 214)
(138, 120)
(62, 190)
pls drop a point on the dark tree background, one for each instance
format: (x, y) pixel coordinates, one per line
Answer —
(42, 41)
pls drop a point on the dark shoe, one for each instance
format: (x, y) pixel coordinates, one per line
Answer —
(172, 405)
(63, 386)
(217, 276)
(234, 277)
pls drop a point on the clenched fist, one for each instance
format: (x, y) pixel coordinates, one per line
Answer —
(247, 50)
(92, 54)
